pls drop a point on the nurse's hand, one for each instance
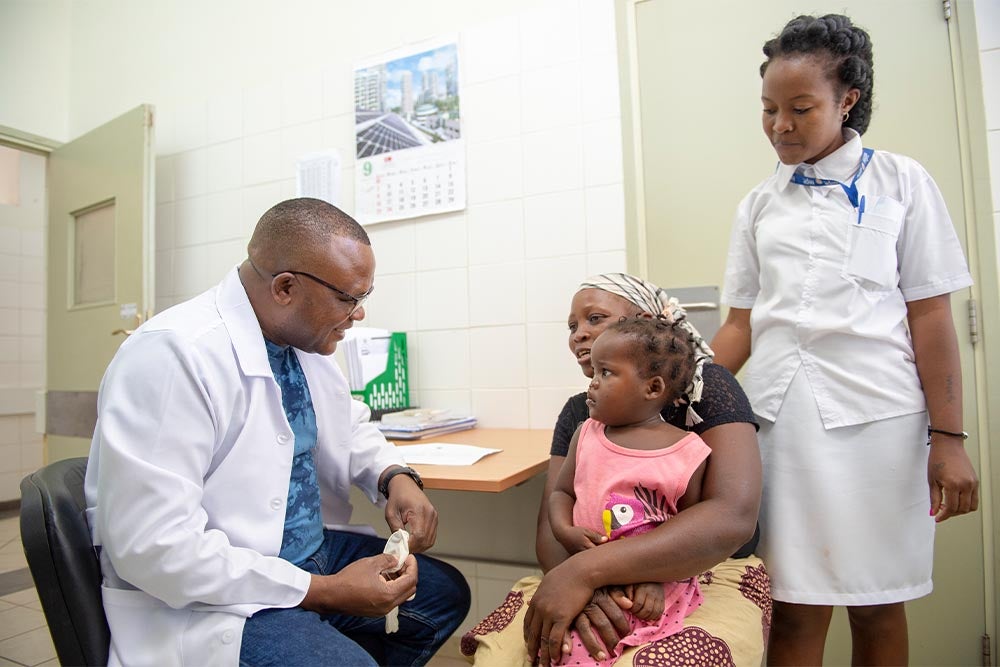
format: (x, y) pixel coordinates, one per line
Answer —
(953, 483)
(363, 588)
(408, 507)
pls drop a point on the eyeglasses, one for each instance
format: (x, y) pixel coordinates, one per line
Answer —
(356, 301)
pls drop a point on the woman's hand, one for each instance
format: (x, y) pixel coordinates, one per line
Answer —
(954, 486)
(561, 596)
(603, 621)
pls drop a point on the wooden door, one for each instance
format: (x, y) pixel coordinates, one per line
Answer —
(100, 266)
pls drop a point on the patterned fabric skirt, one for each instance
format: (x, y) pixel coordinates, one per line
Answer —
(729, 629)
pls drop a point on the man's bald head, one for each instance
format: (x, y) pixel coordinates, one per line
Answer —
(294, 229)
(306, 260)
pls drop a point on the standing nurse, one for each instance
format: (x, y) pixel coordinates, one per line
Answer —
(838, 279)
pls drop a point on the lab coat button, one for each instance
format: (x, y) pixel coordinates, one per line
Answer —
(283, 438)
(227, 637)
(276, 503)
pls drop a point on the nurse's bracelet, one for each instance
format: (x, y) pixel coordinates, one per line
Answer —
(961, 434)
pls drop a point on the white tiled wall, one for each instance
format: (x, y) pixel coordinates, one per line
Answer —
(988, 26)
(22, 323)
(482, 293)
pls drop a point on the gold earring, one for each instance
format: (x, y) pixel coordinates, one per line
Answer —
(846, 116)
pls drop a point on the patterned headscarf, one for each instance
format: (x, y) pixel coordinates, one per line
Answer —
(654, 300)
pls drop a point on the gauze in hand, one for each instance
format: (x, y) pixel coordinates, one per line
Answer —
(399, 546)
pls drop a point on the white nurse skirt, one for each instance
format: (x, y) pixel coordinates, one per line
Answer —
(845, 515)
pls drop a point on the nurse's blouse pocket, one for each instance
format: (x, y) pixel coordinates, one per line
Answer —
(871, 245)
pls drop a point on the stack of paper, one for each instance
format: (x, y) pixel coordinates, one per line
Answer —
(415, 423)
(416, 417)
(439, 453)
(366, 351)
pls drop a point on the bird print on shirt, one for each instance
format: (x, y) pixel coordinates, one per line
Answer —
(624, 516)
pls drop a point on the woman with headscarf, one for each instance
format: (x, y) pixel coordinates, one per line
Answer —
(705, 540)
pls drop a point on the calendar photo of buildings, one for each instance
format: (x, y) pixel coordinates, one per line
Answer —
(408, 102)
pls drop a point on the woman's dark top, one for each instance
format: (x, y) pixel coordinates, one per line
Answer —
(722, 402)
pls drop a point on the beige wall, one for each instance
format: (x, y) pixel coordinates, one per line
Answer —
(34, 66)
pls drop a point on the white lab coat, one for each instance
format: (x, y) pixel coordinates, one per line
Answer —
(188, 479)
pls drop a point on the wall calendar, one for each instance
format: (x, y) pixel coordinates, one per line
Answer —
(409, 148)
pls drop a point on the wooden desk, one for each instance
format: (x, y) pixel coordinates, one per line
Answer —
(525, 454)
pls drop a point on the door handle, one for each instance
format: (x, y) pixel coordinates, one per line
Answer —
(128, 332)
(703, 305)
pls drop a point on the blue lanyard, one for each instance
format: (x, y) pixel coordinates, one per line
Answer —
(850, 190)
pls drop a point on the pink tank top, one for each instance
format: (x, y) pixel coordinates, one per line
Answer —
(621, 491)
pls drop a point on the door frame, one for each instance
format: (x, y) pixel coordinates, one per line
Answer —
(982, 242)
(25, 141)
(38, 145)
(981, 236)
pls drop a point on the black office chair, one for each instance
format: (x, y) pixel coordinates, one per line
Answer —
(63, 562)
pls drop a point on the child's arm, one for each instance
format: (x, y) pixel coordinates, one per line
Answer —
(561, 503)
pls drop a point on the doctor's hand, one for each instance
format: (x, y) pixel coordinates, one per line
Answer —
(409, 508)
(364, 588)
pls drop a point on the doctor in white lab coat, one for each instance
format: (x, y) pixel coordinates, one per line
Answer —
(188, 478)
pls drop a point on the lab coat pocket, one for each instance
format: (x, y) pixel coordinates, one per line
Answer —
(871, 246)
(145, 630)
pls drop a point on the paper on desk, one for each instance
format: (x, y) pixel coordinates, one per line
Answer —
(445, 454)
